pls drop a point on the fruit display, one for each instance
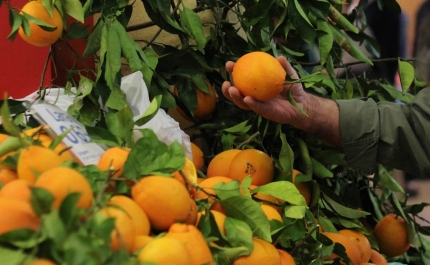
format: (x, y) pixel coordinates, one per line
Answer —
(79, 187)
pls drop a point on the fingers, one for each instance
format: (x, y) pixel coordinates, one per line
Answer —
(234, 95)
(229, 66)
(287, 66)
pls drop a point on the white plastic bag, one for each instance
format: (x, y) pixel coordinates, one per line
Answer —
(137, 97)
(164, 126)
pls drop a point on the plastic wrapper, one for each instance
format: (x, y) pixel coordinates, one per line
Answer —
(137, 96)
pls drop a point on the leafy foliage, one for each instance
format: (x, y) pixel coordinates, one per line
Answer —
(300, 30)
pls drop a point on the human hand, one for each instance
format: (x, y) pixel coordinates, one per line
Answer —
(277, 109)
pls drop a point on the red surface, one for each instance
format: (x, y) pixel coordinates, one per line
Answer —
(21, 64)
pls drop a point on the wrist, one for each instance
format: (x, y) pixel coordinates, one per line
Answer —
(322, 118)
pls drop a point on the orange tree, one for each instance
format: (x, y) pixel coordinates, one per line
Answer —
(313, 35)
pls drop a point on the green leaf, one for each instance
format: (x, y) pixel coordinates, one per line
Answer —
(295, 211)
(54, 227)
(128, 48)
(226, 190)
(41, 23)
(239, 128)
(320, 170)
(238, 234)
(249, 211)
(283, 190)
(12, 257)
(77, 31)
(151, 111)
(94, 39)
(325, 40)
(301, 21)
(407, 74)
(41, 200)
(74, 9)
(7, 121)
(191, 21)
(159, 12)
(343, 210)
(121, 124)
(149, 156)
(286, 158)
(101, 136)
(15, 21)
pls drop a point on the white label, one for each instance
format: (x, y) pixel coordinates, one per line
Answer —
(59, 121)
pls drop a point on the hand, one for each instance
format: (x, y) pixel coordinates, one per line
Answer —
(277, 109)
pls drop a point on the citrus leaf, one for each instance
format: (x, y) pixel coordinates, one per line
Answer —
(249, 211)
(74, 9)
(15, 21)
(407, 74)
(238, 234)
(151, 111)
(12, 257)
(41, 23)
(295, 211)
(239, 128)
(54, 227)
(121, 124)
(149, 156)
(226, 190)
(343, 210)
(283, 190)
(191, 21)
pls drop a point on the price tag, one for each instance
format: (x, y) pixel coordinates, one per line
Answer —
(59, 121)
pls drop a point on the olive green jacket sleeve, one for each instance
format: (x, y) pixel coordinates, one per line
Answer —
(387, 133)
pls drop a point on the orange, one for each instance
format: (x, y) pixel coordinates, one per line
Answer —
(34, 160)
(123, 234)
(61, 181)
(192, 215)
(198, 156)
(7, 174)
(206, 103)
(41, 262)
(39, 133)
(207, 186)
(114, 159)
(304, 188)
(254, 163)
(165, 251)
(351, 249)
(377, 258)
(392, 235)
(220, 163)
(219, 219)
(271, 213)
(262, 253)
(38, 36)
(15, 214)
(360, 241)
(190, 173)
(286, 258)
(259, 75)
(60, 149)
(141, 241)
(18, 189)
(193, 241)
(137, 215)
(163, 199)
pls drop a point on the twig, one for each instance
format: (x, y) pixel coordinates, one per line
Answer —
(247, 141)
(45, 67)
(354, 63)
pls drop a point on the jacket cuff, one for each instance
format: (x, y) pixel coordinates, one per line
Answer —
(359, 131)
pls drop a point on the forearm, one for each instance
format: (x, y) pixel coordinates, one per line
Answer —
(322, 120)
